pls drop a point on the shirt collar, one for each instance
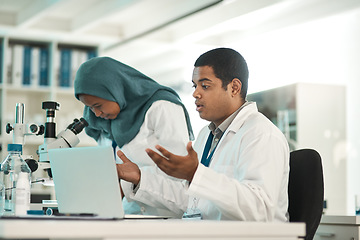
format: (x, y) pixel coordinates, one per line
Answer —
(226, 123)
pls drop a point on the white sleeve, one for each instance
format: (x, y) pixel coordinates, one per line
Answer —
(168, 123)
(159, 191)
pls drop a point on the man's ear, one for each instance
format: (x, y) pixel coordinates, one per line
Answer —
(236, 86)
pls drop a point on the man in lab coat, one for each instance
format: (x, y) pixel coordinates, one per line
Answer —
(239, 166)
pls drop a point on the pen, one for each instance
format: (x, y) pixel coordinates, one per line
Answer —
(77, 214)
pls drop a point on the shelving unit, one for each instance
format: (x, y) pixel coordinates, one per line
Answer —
(313, 116)
(40, 81)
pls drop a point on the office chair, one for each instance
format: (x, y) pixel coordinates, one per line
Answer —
(306, 189)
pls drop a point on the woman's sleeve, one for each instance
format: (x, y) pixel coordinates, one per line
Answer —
(170, 128)
(157, 189)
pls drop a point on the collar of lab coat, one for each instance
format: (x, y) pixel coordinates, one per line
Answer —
(234, 127)
(241, 117)
(238, 121)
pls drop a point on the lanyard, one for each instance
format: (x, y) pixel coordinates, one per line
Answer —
(205, 160)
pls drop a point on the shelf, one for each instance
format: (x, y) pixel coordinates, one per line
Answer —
(28, 89)
(31, 72)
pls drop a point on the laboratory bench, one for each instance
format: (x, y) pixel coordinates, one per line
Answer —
(147, 229)
(338, 228)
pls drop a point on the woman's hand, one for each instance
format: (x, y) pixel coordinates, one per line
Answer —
(128, 170)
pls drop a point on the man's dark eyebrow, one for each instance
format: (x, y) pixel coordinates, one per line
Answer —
(203, 80)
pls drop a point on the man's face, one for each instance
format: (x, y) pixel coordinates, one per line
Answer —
(213, 102)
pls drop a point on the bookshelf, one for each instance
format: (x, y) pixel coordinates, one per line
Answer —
(32, 72)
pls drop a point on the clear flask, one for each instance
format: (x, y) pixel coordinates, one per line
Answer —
(15, 175)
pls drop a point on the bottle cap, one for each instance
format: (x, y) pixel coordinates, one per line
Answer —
(15, 147)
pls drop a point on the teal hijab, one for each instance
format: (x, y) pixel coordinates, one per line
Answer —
(112, 80)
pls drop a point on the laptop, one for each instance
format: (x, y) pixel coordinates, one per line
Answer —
(86, 181)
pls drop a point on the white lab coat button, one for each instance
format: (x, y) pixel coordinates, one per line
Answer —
(142, 209)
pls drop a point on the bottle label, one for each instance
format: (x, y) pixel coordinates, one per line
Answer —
(22, 195)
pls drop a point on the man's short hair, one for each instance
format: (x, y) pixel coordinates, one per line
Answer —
(227, 65)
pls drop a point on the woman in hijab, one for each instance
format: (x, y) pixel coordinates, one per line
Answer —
(125, 107)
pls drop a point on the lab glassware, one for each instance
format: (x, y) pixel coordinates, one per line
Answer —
(15, 175)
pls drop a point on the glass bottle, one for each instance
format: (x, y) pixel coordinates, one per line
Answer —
(15, 175)
(2, 195)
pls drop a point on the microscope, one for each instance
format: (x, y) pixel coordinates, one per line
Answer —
(65, 139)
(20, 130)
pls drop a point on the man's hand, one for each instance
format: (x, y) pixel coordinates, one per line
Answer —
(128, 170)
(183, 167)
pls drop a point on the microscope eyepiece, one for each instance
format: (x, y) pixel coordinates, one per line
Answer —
(78, 125)
(71, 125)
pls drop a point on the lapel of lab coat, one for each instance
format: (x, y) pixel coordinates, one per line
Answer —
(235, 126)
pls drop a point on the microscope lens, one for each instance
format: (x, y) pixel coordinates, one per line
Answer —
(78, 125)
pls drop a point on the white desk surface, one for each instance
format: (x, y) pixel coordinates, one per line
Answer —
(340, 219)
(147, 229)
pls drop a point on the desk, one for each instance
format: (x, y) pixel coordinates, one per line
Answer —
(148, 229)
(338, 228)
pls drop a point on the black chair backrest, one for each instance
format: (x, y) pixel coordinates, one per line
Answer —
(306, 189)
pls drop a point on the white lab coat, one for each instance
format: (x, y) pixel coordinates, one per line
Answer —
(164, 124)
(247, 178)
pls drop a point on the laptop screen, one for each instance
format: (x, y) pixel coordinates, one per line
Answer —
(86, 181)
